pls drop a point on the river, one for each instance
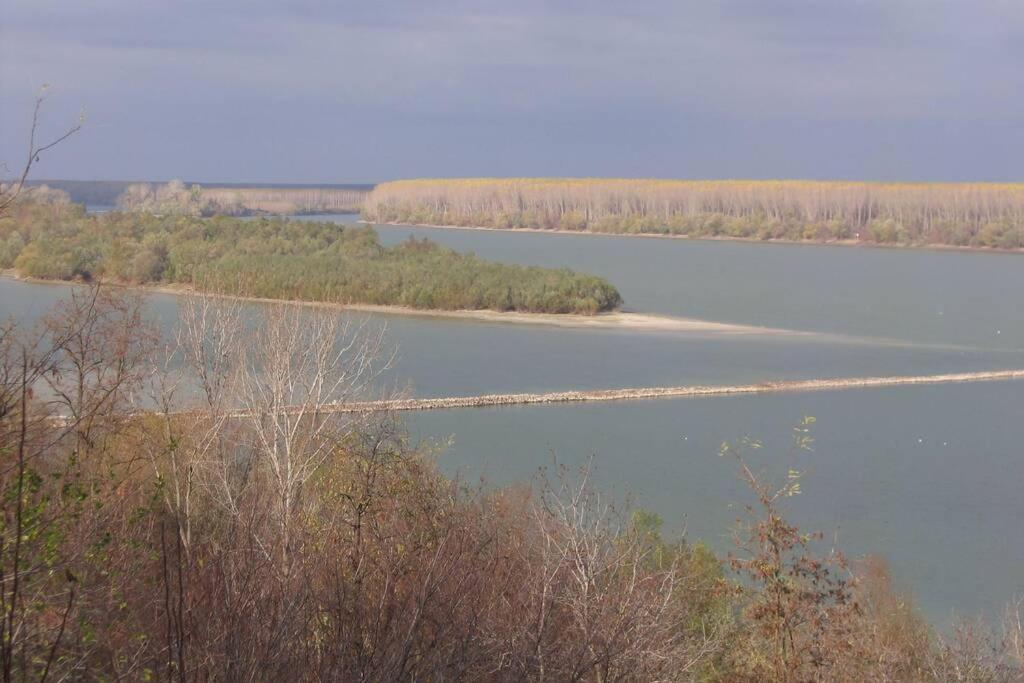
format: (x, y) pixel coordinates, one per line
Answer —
(928, 477)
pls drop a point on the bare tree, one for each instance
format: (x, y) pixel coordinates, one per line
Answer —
(603, 608)
(9, 193)
(63, 391)
(200, 369)
(105, 346)
(1013, 629)
(298, 366)
(272, 382)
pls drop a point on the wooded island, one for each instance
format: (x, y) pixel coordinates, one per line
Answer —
(282, 259)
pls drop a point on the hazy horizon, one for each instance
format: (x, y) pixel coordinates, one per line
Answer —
(897, 90)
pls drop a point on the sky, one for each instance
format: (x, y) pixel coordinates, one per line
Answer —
(366, 91)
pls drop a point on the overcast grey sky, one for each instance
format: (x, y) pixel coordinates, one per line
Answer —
(318, 91)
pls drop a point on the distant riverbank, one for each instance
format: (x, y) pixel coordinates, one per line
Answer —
(975, 215)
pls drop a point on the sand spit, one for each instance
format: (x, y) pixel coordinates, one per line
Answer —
(614, 320)
(674, 392)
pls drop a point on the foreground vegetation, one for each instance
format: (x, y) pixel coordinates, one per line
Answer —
(954, 214)
(234, 530)
(195, 200)
(281, 259)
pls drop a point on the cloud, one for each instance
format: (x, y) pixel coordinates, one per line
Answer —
(551, 78)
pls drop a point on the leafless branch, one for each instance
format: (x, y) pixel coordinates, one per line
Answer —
(10, 193)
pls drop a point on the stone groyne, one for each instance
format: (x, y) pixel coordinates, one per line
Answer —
(673, 392)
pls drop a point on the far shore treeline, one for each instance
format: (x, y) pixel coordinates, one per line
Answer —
(176, 197)
(953, 214)
(281, 259)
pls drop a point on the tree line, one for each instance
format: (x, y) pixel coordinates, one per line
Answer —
(89, 192)
(954, 214)
(195, 200)
(196, 512)
(38, 193)
(281, 259)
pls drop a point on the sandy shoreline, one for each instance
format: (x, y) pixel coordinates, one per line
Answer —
(616, 320)
(710, 238)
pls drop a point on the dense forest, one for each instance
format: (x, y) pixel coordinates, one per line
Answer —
(245, 530)
(196, 200)
(281, 259)
(954, 214)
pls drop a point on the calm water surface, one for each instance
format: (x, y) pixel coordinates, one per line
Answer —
(929, 477)
(925, 296)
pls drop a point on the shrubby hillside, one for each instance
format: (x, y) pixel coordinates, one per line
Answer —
(191, 540)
